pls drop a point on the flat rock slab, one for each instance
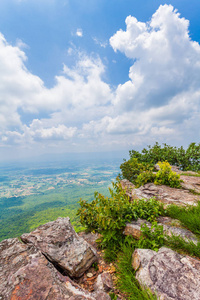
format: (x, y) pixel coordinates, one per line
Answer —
(134, 229)
(163, 193)
(27, 275)
(191, 183)
(59, 242)
(170, 275)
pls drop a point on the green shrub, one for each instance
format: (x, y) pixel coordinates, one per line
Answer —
(109, 216)
(145, 177)
(152, 238)
(188, 159)
(141, 173)
(166, 176)
(132, 168)
(149, 210)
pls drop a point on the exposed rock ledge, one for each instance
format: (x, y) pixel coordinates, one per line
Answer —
(170, 275)
(134, 229)
(163, 193)
(27, 274)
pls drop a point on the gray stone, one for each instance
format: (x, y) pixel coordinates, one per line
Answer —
(163, 193)
(77, 293)
(100, 295)
(169, 274)
(190, 183)
(104, 282)
(134, 229)
(27, 275)
(59, 242)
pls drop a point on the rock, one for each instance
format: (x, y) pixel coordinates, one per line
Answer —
(104, 282)
(134, 229)
(141, 258)
(78, 293)
(163, 193)
(169, 274)
(128, 186)
(174, 230)
(59, 242)
(89, 237)
(100, 295)
(26, 274)
(190, 183)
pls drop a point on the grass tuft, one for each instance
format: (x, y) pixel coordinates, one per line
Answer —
(182, 246)
(189, 216)
(127, 282)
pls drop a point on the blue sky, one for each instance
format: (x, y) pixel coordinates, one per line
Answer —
(95, 75)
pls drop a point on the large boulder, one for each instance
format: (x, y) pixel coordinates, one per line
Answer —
(167, 273)
(27, 275)
(59, 242)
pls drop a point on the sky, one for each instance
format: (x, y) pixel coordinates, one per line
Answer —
(97, 76)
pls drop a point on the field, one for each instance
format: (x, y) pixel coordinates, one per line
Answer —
(33, 194)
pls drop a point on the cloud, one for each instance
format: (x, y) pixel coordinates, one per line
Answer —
(79, 32)
(160, 101)
(167, 62)
(164, 78)
(21, 45)
(78, 96)
(38, 130)
(101, 43)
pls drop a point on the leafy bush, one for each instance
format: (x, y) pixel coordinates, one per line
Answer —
(133, 167)
(105, 213)
(149, 210)
(145, 177)
(137, 172)
(188, 159)
(109, 216)
(166, 176)
(152, 238)
(141, 173)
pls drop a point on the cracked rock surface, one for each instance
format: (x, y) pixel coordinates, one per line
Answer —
(169, 274)
(26, 274)
(163, 193)
(59, 242)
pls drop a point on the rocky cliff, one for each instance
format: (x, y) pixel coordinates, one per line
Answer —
(53, 262)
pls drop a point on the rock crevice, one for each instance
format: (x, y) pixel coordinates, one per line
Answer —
(27, 274)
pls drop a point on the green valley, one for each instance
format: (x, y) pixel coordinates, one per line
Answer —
(31, 195)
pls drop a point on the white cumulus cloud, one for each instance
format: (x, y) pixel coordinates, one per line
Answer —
(160, 101)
